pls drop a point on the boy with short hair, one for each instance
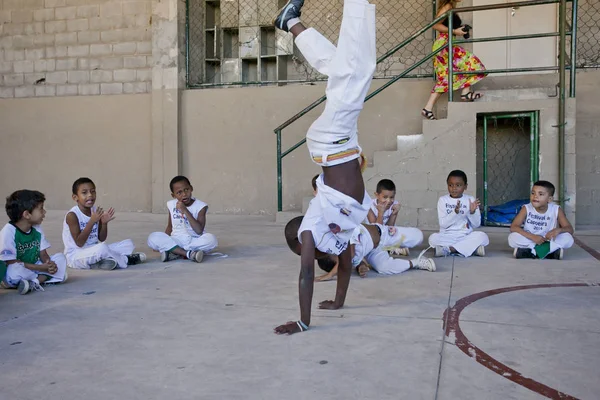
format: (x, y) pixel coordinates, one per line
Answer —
(85, 230)
(541, 228)
(371, 243)
(458, 215)
(23, 246)
(385, 207)
(341, 203)
(184, 236)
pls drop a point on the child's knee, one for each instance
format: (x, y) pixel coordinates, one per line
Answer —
(154, 238)
(482, 237)
(211, 240)
(60, 260)
(566, 240)
(434, 239)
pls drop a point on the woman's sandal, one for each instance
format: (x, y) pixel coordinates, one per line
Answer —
(471, 96)
(428, 114)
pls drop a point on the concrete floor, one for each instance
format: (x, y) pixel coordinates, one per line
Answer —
(181, 330)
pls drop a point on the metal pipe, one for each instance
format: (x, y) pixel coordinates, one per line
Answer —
(562, 13)
(513, 37)
(573, 70)
(279, 173)
(532, 178)
(485, 171)
(504, 70)
(497, 6)
(187, 43)
(450, 56)
(536, 116)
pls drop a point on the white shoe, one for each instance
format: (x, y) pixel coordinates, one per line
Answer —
(480, 251)
(424, 263)
(400, 251)
(197, 256)
(442, 251)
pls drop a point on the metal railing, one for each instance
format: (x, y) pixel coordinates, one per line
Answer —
(562, 67)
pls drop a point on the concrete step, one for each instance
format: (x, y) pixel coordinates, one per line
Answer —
(283, 217)
(538, 93)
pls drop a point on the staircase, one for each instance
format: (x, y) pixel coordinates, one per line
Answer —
(421, 162)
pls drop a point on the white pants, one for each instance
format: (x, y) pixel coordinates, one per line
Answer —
(17, 272)
(464, 243)
(381, 262)
(160, 241)
(333, 138)
(82, 258)
(393, 237)
(562, 241)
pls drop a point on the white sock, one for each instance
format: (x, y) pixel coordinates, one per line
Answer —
(292, 22)
(188, 254)
(415, 263)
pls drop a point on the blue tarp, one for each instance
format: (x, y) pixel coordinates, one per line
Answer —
(503, 214)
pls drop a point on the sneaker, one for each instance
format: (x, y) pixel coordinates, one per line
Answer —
(25, 287)
(442, 251)
(556, 255)
(400, 251)
(105, 265)
(290, 10)
(136, 258)
(480, 251)
(197, 256)
(521, 252)
(424, 263)
(166, 256)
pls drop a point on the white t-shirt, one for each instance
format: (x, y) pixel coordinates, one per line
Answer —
(70, 245)
(181, 225)
(332, 217)
(464, 221)
(23, 246)
(540, 224)
(386, 214)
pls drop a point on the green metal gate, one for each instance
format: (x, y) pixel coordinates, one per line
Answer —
(508, 158)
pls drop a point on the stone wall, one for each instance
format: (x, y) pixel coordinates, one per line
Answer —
(75, 47)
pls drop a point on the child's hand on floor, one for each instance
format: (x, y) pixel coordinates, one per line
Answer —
(108, 216)
(553, 233)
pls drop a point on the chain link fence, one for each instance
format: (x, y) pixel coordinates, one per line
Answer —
(588, 33)
(234, 41)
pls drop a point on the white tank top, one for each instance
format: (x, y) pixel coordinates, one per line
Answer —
(83, 219)
(540, 224)
(179, 222)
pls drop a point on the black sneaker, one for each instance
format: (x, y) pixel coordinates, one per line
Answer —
(136, 258)
(290, 10)
(523, 253)
(105, 265)
(556, 255)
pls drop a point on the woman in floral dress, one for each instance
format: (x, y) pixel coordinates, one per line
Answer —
(463, 60)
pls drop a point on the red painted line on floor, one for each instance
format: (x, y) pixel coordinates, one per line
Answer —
(452, 325)
(587, 248)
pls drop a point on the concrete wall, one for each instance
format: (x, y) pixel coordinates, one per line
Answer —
(230, 146)
(74, 47)
(45, 144)
(588, 148)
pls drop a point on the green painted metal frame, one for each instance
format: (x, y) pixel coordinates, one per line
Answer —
(534, 160)
(562, 67)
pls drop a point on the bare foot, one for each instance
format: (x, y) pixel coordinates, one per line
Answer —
(362, 270)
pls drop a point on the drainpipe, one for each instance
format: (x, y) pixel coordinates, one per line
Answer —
(562, 12)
